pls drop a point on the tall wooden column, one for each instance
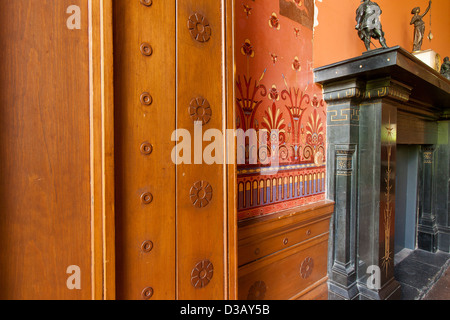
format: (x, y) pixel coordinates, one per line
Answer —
(174, 219)
(200, 190)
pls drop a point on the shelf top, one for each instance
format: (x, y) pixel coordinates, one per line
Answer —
(429, 85)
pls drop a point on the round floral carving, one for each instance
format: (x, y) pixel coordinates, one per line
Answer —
(202, 274)
(201, 194)
(257, 291)
(200, 110)
(307, 267)
(199, 27)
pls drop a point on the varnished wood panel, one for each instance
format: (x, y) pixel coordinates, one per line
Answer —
(201, 232)
(273, 249)
(318, 291)
(272, 242)
(230, 113)
(102, 149)
(45, 220)
(181, 67)
(136, 123)
(285, 274)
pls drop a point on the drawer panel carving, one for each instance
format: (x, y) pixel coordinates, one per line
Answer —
(286, 274)
(277, 240)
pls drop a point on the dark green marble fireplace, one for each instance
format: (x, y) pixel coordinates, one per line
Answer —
(376, 102)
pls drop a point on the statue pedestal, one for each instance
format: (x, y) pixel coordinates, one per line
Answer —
(430, 58)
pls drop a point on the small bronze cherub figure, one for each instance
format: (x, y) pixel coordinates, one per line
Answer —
(419, 26)
(368, 23)
(445, 68)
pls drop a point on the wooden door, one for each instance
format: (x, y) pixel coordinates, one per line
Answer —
(45, 191)
(171, 62)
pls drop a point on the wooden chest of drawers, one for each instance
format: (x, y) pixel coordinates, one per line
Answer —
(284, 256)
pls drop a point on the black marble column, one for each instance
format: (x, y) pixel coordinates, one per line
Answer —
(442, 186)
(362, 131)
(343, 137)
(427, 228)
(376, 205)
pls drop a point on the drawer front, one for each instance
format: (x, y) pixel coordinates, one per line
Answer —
(285, 275)
(277, 241)
(317, 293)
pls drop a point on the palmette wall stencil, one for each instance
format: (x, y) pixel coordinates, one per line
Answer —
(275, 90)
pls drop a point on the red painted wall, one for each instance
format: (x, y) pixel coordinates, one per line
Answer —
(336, 39)
(275, 90)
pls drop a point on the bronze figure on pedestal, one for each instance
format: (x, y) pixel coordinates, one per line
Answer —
(419, 26)
(368, 23)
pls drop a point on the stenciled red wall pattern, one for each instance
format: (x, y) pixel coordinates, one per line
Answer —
(275, 90)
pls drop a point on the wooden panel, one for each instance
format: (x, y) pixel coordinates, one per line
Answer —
(272, 242)
(284, 219)
(186, 237)
(201, 231)
(272, 249)
(45, 216)
(230, 113)
(136, 123)
(102, 149)
(284, 275)
(318, 291)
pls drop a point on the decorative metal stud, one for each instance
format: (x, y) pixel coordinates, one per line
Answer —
(200, 110)
(146, 3)
(201, 194)
(146, 49)
(146, 148)
(147, 246)
(146, 99)
(307, 267)
(257, 291)
(146, 198)
(199, 27)
(202, 274)
(147, 293)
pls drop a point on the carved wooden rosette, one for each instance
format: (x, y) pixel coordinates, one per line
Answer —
(307, 268)
(201, 194)
(200, 110)
(202, 274)
(199, 27)
(257, 291)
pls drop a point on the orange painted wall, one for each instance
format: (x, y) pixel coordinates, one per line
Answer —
(336, 39)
